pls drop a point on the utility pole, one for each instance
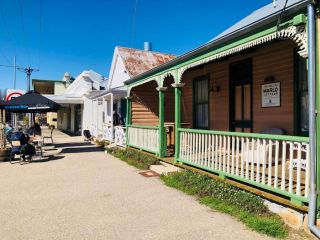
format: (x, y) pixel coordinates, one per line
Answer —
(28, 71)
(14, 72)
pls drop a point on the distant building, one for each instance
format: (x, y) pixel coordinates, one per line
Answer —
(52, 87)
(100, 105)
(70, 116)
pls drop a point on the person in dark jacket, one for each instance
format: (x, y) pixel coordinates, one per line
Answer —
(37, 129)
(25, 148)
(116, 119)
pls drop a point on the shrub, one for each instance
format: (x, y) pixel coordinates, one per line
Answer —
(133, 157)
(101, 143)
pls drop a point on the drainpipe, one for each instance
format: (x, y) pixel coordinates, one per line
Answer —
(312, 214)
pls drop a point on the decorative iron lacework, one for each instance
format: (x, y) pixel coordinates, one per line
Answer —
(296, 33)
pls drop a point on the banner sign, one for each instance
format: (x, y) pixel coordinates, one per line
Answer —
(13, 93)
(271, 95)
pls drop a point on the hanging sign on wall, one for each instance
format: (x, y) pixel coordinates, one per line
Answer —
(271, 95)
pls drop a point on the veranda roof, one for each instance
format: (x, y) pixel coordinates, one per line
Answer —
(268, 14)
(117, 93)
(67, 99)
(31, 102)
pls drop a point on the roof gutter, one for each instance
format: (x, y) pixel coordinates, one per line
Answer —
(255, 25)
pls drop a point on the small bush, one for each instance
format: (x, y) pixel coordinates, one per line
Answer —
(133, 157)
(219, 195)
(101, 143)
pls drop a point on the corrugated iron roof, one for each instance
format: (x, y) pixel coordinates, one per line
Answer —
(138, 61)
(261, 13)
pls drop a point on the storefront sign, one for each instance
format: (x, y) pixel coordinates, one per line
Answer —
(13, 93)
(271, 95)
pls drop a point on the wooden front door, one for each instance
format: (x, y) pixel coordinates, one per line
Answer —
(241, 96)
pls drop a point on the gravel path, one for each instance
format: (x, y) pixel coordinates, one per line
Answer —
(83, 193)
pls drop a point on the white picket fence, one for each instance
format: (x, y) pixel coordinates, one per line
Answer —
(107, 132)
(94, 131)
(279, 163)
(144, 137)
(120, 135)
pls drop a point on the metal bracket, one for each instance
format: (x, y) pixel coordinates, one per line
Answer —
(161, 89)
(178, 85)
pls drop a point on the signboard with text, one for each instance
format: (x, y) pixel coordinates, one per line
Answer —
(271, 95)
(13, 93)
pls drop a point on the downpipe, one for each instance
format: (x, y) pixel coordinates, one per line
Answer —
(312, 212)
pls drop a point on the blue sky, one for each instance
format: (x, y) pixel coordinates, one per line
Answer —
(71, 36)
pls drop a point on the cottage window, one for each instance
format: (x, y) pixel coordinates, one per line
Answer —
(201, 102)
(303, 103)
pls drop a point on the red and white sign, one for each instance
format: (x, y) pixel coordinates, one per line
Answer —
(13, 93)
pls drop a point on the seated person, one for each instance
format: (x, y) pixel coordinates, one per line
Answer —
(19, 135)
(24, 145)
(37, 129)
(8, 129)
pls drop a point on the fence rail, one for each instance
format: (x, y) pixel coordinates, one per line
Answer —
(120, 135)
(107, 132)
(276, 163)
(144, 137)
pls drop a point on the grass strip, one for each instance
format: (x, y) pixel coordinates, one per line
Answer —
(133, 157)
(221, 196)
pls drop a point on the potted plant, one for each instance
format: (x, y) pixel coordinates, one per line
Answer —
(4, 151)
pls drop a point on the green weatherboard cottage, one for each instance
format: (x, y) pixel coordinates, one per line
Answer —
(207, 109)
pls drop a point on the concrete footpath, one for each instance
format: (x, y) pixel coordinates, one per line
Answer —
(83, 193)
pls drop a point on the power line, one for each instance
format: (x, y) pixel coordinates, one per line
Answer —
(23, 28)
(5, 57)
(28, 71)
(5, 26)
(40, 30)
(134, 23)
(3, 65)
(281, 14)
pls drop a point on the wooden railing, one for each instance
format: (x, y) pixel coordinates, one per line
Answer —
(120, 135)
(144, 137)
(273, 162)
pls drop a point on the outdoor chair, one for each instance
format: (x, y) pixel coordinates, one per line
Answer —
(303, 159)
(15, 149)
(256, 154)
(37, 142)
(49, 136)
(87, 135)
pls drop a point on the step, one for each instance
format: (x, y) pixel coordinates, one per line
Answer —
(164, 168)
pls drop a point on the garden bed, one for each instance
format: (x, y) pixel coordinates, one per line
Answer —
(221, 196)
(134, 157)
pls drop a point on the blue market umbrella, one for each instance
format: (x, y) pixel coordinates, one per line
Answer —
(31, 102)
